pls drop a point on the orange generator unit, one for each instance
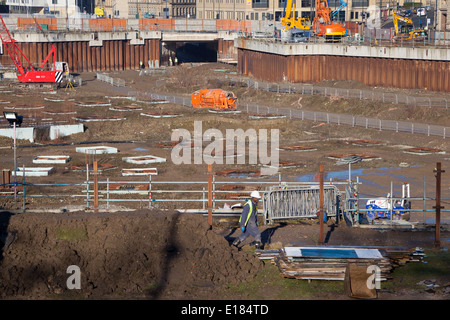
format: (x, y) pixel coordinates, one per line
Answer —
(214, 98)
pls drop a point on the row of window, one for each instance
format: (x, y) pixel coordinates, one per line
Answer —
(242, 15)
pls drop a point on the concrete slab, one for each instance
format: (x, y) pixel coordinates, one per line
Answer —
(423, 151)
(51, 159)
(96, 150)
(59, 131)
(125, 108)
(34, 172)
(161, 115)
(140, 172)
(21, 133)
(99, 119)
(93, 104)
(144, 159)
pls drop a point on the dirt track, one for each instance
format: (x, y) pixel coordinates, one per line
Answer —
(161, 254)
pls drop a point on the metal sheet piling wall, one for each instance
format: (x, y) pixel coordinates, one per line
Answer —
(386, 72)
(112, 55)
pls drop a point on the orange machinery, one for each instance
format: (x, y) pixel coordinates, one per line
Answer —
(214, 98)
(322, 25)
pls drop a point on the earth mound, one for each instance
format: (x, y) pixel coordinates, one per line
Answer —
(146, 254)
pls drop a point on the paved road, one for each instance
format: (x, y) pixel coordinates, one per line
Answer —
(416, 20)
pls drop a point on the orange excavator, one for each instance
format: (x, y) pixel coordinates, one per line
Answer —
(214, 98)
(322, 25)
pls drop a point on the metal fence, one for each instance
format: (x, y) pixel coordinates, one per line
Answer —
(300, 203)
(112, 81)
(360, 94)
(326, 117)
(282, 200)
(363, 35)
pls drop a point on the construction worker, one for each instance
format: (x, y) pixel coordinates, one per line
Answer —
(249, 221)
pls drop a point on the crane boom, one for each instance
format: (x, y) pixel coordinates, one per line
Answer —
(13, 50)
(29, 73)
(338, 9)
(322, 25)
(408, 31)
(289, 21)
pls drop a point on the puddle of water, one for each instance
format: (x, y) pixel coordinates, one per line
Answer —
(343, 174)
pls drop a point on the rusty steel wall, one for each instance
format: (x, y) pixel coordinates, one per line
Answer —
(113, 55)
(226, 47)
(384, 72)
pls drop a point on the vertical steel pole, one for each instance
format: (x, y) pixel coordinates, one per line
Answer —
(95, 186)
(424, 199)
(150, 192)
(321, 240)
(15, 168)
(107, 194)
(87, 185)
(23, 189)
(210, 177)
(438, 207)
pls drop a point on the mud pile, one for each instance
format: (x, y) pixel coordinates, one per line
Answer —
(148, 254)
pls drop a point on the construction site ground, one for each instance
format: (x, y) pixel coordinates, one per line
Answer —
(132, 252)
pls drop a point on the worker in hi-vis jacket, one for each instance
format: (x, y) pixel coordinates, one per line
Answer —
(249, 221)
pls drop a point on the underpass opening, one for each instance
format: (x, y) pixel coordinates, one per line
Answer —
(191, 52)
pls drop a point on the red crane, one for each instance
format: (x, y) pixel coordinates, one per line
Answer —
(26, 72)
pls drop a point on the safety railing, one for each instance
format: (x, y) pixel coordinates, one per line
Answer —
(318, 116)
(112, 81)
(282, 200)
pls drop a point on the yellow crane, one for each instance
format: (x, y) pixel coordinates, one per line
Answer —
(407, 30)
(289, 21)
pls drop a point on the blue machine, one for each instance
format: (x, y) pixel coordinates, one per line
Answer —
(385, 208)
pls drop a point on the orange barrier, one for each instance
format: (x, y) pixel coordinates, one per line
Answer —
(156, 24)
(50, 23)
(353, 27)
(234, 25)
(107, 24)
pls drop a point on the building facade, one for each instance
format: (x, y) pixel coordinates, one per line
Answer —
(133, 9)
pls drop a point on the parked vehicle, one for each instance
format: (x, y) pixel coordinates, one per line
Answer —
(421, 12)
(406, 13)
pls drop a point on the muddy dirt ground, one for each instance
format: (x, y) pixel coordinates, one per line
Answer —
(160, 253)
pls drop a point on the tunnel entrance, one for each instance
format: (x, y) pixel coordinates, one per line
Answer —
(190, 52)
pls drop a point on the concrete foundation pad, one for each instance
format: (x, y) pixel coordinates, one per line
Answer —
(126, 108)
(34, 172)
(97, 150)
(161, 115)
(140, 172)
(93, 104)
(51, 159)
(21, 133)
(144, 159)
(91, 119)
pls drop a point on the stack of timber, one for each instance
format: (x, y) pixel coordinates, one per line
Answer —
(330, 263)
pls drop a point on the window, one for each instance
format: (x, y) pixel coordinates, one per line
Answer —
(360, 3)
(306, 3)
(260, 3)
